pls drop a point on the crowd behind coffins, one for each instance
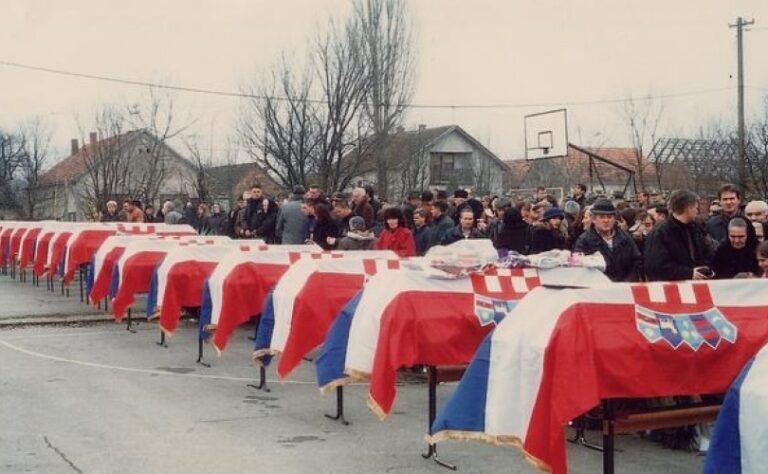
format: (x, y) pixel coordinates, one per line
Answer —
(650, 237)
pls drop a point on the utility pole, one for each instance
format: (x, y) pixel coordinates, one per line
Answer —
(741, 140)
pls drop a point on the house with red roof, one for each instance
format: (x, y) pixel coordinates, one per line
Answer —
(133, 165)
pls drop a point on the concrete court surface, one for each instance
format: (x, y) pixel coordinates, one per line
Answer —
(97, 398)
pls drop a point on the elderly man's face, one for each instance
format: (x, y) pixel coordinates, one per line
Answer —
(756, 215)
(738, 237)
(604, 222)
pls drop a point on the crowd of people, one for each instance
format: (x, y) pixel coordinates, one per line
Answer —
(648, 238)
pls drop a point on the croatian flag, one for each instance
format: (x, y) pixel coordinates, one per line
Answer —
(133, 272)
(237, 288)
(740, 438)
(559, 353)
(178, 280)
(409, 318)
(27, 250)
(15, 240)
(307, 299)
(103, 262)
(5, 239)
(41, 249)
(81, 246)
(57, 247)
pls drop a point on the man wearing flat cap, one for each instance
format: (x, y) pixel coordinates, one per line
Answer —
(622, 258)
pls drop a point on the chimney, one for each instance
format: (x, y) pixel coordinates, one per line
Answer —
(422, 127)
(75, 144)
(93, 138)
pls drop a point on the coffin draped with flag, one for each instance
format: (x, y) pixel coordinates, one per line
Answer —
(558, 354)
(740, 438)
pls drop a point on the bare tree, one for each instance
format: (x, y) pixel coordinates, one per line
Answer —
(344, 80)
(155, 113)
(36, 141)
(389, 57)
(278, 126)
(643, 117)
(11, 152)
(203, 163)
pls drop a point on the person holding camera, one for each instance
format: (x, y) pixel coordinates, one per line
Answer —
(677, 248)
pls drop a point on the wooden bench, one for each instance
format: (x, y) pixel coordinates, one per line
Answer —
(630, 422)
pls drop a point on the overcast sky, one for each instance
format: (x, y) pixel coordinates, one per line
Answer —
(468, 52)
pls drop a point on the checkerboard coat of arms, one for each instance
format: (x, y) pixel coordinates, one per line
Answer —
(497, 291)
(681, 314)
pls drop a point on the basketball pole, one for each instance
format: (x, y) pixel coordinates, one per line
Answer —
(741, 144)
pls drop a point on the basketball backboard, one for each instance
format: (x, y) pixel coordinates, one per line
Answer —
(546, 134)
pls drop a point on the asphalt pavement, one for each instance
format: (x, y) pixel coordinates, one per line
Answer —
(95, 398)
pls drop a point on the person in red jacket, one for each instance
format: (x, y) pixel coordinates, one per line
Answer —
(396, 235)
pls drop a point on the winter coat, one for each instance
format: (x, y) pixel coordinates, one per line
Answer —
(668, 255)
(544, 239)
(440, 226)
(512, 233)
(623, 261)
(366, 211)
(217, 224)
(421, 238)
(729, 261)
(173, 217)
(456, 234)
(292, 224)
(323, 230)
(355, 240)
(399, 241)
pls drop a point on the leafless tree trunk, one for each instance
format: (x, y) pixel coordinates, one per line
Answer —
(387, 50)
(344, 80)
(156, 115)
(643, 117)
(34, 158)
(278, 126)
(203, 163)
(11, 153)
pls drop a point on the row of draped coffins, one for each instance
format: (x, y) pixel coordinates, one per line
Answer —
(542, 345)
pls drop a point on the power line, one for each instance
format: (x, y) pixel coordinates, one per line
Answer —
(200, 90)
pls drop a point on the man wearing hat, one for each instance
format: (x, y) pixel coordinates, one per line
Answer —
(292, 224)
(547, 236)
(622, 257)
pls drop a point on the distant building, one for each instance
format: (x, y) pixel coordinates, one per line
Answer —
(608, 170)
(433, 158)
(133, 165)
(226, 183)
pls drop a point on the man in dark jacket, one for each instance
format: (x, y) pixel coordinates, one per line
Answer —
(441, 222)
(676, 250)
(622, 258)
(730, 199)
(465, 230)
(421, 231)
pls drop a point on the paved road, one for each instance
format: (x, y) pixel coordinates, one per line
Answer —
(100, 399)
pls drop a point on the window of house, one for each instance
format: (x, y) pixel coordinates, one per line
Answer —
(441, 167)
